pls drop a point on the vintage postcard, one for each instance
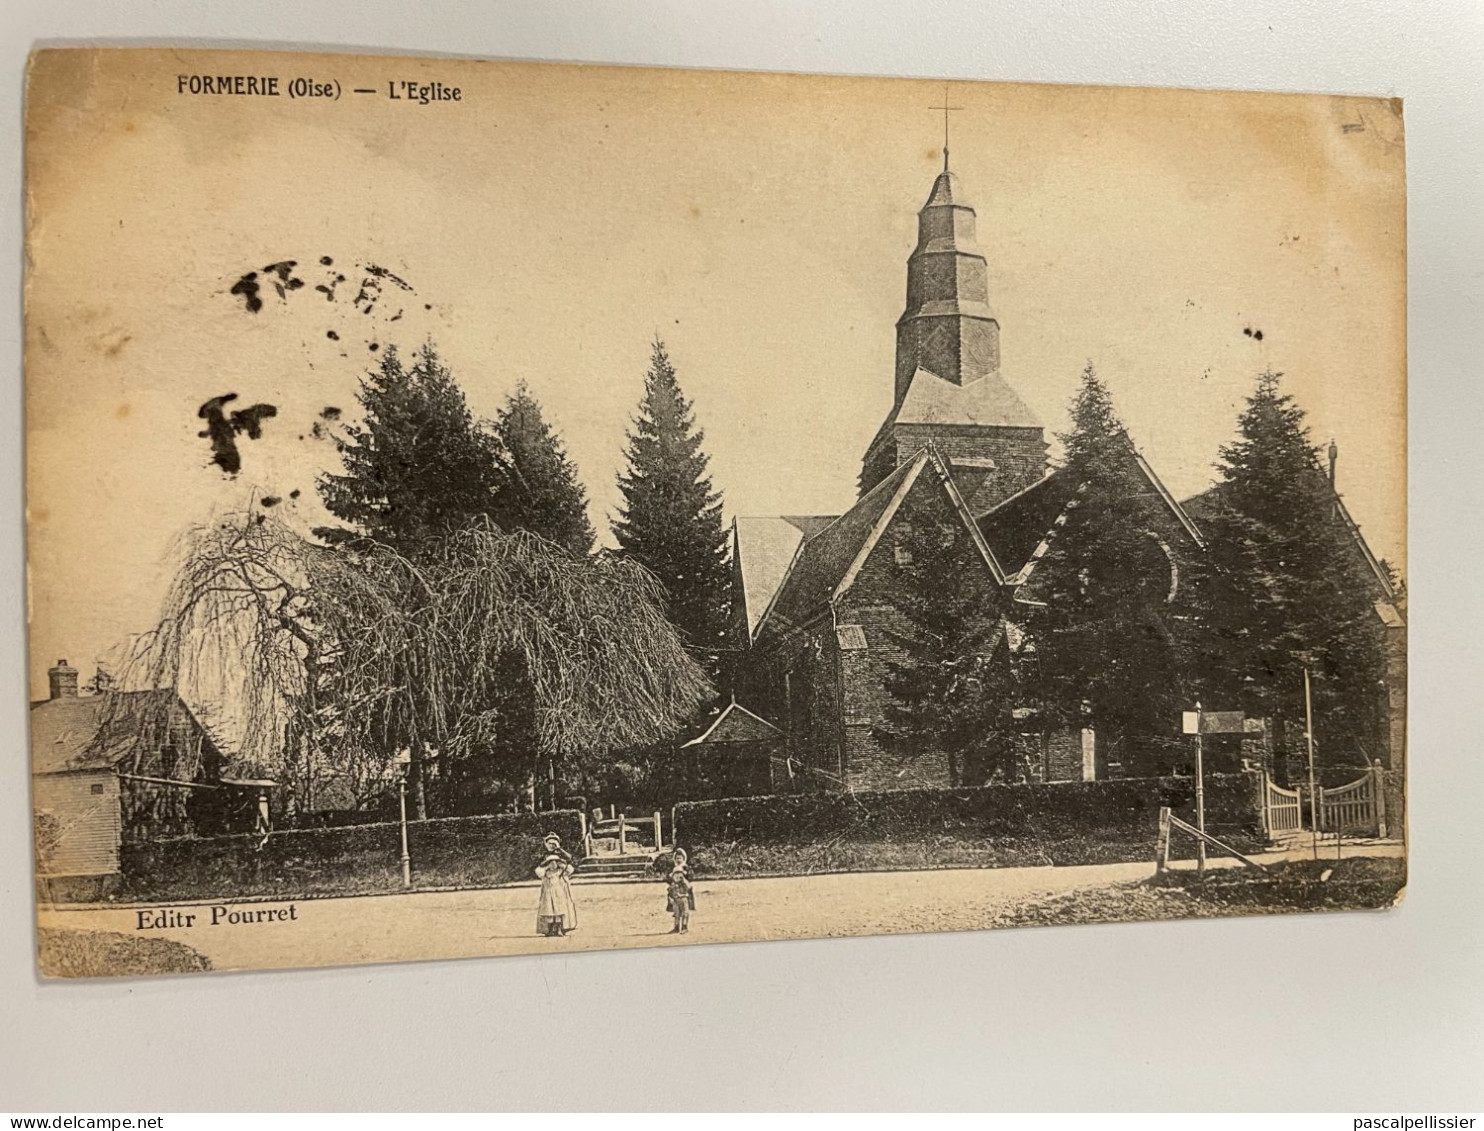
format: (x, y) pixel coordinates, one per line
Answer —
(483, 508)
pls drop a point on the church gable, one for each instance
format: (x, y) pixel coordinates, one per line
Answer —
(1053, 503)
(930, 511)
(828, 564)
(930, 496)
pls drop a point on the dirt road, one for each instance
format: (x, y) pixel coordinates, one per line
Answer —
(390, 928)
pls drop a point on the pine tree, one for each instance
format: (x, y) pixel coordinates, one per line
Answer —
(1301, 594)
(418, 467)
(542, 493)
(954, 689)
(1109, 655)
(670, 520)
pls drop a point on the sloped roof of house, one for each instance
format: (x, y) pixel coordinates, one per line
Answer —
(737, 724)
(67, 733)
(826, 563)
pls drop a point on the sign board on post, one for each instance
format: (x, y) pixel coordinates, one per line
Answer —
(1216, 722)
(1223, 722)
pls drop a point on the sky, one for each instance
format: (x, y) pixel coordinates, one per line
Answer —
(548, 224)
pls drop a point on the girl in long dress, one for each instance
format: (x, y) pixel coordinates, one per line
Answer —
(556, 914)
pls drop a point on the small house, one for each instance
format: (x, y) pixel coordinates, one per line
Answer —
(114, 768)
(739, 755)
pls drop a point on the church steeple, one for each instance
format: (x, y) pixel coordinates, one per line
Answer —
(947, 327)
(948, 388)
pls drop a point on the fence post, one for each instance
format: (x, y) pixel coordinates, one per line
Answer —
(1265, 798)
(1162, 851)
(622, 835)
(1378, 797)
(659, 840)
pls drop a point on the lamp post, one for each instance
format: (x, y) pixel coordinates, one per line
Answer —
(1313, 793)
(404, 760)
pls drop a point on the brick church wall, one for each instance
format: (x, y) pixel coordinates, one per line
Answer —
(1396, 698)
(864, 671)
(863, 678)
(1056, 758)
(794, 683)
(1019, 455)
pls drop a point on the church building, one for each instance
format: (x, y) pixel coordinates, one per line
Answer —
(814, 619)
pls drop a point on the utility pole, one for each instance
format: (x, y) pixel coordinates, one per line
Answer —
(1200, 796)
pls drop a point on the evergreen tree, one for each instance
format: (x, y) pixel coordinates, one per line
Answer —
(1301, 594)
(418, 467)
(954, 689)
(542, 493)
(670, 520)
(1110, 656)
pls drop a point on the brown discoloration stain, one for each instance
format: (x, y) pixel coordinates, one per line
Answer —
(695, 212)
(37, 514)
(124, 411)
(112, 349)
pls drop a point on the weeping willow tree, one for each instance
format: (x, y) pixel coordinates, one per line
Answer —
(328, 661)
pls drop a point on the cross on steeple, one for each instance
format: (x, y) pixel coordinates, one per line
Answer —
(945, 108)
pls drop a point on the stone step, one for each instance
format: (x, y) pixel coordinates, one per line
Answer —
(633, 859)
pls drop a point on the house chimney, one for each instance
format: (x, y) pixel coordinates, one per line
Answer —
(1334, 454)
(63, 681)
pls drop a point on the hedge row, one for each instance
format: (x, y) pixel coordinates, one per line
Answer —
(1052, 810)
(445, 852)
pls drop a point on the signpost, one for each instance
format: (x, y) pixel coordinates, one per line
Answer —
(1198, 723)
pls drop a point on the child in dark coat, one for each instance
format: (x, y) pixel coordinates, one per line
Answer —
(681, 897)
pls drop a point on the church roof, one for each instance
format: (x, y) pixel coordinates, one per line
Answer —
(1020, 529)
(944, 191)
(1163, 492)
(826, 564)
(763, 549)
(1207, 502)
(810, 524)
(825, 560)
(737, 724)
(1016, 527)
(987, 402)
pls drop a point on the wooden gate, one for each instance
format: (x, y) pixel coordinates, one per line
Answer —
(1282, 809)
(1359, 807)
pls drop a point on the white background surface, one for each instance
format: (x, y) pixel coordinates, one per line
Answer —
(1363, 1012)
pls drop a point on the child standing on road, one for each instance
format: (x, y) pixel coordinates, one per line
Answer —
(681, 899)
(556, 914)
